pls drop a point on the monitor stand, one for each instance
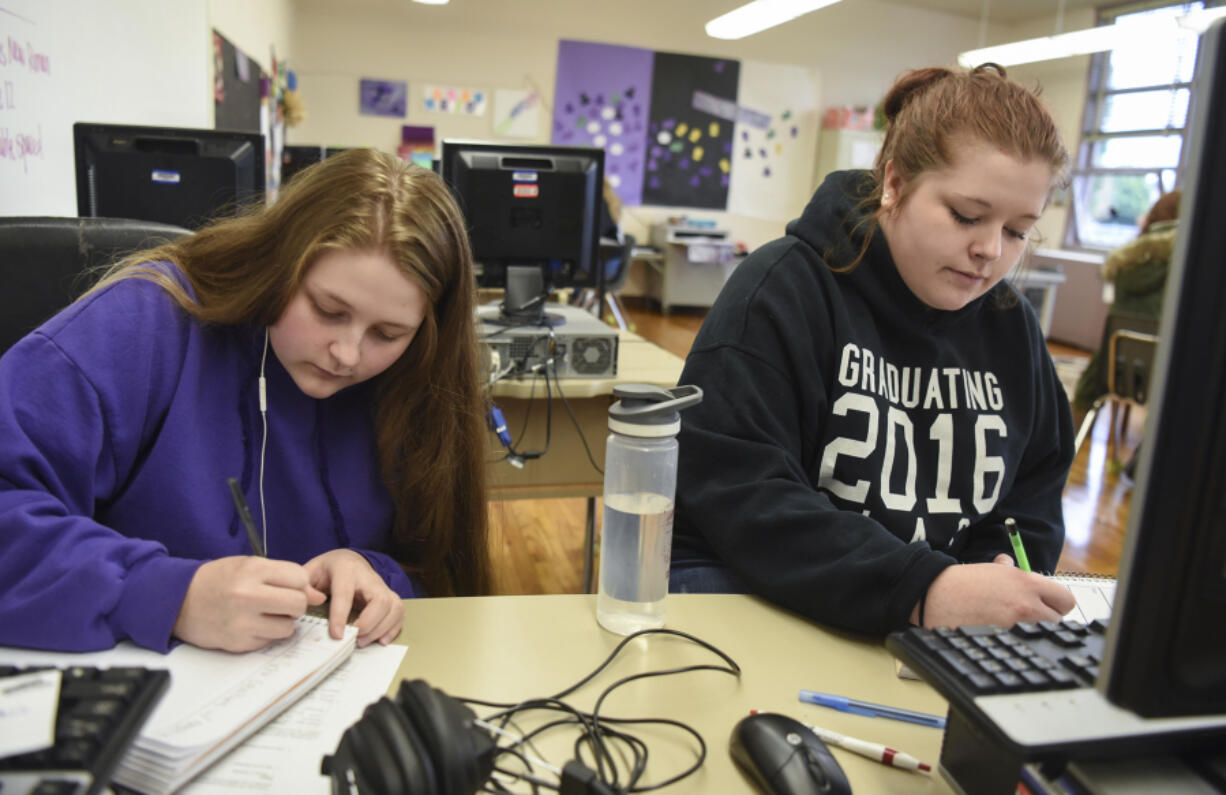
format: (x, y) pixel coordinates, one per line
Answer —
(523, 304)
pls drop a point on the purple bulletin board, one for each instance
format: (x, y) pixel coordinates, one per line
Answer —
(602, 97)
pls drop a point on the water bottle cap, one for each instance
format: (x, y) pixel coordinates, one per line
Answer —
(650, 411)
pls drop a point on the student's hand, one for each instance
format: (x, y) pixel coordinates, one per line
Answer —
(992, 593)
(350, 580)
(244, 603)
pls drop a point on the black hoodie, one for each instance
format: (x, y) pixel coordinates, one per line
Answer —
(853, 442)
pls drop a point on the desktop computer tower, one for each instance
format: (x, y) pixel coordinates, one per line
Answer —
(581, 346)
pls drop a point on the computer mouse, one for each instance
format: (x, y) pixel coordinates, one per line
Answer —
(784, 758)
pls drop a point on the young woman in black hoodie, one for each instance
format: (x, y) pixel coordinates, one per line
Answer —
(878, 399)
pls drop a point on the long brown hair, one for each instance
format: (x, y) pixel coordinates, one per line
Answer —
(930, 111)
(430, 405)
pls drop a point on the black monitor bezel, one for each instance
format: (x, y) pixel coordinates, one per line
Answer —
(590, 265)
(83, 134)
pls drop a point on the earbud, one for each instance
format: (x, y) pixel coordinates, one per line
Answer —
(262, 389)
(261, 382)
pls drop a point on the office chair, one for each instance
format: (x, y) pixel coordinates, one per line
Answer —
(614, 263)
(1129, 343)
(615, 256)
(47, 262)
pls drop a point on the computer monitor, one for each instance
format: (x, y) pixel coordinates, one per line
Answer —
(1166, 644)
(296, 157)
(173, 175)
(533, 215)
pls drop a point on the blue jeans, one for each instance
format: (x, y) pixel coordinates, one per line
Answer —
(704, 576)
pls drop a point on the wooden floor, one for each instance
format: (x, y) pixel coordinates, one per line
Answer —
(538, 544)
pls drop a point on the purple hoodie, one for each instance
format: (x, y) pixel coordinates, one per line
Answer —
(120, 420)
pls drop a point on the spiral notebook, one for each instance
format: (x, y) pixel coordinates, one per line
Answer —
(215, 699)
(1095, 593)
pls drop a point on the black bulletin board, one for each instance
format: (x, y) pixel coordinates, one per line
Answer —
(236, 100)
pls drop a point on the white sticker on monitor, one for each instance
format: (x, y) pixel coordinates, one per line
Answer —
(523, 176)
(165, 177)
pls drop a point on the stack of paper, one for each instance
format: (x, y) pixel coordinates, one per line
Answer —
(216, 700)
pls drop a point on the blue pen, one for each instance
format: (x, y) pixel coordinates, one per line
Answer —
(856, 707)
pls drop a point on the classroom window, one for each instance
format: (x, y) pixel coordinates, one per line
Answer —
(1132, 146)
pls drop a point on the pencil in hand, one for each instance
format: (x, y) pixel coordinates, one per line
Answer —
(244, 513)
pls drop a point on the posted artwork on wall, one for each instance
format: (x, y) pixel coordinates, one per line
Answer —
(689, 146)
(602, 97)
(450, 99)
(774, 141)
(690, 131)
(517, 114)
(383, 97)
(417, 145)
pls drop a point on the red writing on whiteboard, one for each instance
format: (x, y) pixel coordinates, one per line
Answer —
(6, 96)
(13, 51)
(39, 62)
(21, 146)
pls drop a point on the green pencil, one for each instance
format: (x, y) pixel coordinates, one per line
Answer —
(1019, 551)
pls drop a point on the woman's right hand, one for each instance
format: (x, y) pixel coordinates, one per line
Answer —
(244, 603)
(992, 593)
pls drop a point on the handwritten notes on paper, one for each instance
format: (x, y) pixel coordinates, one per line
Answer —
(28, 704)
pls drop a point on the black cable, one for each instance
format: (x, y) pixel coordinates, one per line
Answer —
(654, 631)
(575, 421)
(597, 733)
(543, 369)
(527, 414)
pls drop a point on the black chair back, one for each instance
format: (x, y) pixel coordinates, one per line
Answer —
(47, 262)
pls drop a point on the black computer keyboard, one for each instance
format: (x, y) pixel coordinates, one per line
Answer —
(101, 711)
(974, 661)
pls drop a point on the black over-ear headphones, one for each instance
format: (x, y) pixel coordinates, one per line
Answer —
(424, 742)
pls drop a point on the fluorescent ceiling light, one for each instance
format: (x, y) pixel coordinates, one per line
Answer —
(432, 2)
(1199, 21)
(1082, 42)
(759, 15)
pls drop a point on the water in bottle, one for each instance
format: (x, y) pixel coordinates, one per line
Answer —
(637, 534)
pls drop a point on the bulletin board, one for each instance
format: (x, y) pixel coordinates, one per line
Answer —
(237, 81)
(690, 131)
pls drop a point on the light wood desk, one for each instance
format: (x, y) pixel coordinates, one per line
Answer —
(565, 470)
(512, 648)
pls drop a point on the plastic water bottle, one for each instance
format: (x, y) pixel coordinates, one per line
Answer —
(640, 482)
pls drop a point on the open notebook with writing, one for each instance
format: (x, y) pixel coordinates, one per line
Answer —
(215, 700)
(1094, 593)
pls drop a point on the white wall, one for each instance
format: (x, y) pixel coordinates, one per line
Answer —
(131, 61)
(854, 50)
(1064, 86)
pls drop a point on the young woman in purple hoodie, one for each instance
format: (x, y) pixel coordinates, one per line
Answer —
(321, 352)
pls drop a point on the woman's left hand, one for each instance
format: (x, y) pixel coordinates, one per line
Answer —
(351, 582)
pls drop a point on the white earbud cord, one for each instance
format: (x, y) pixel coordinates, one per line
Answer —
(263, 440)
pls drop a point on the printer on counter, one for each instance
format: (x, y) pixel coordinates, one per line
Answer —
(703, 241)
(698, 258)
